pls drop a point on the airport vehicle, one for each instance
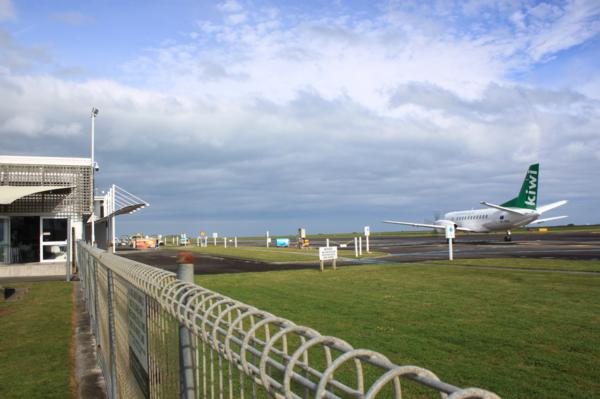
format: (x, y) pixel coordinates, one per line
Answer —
(518, 212)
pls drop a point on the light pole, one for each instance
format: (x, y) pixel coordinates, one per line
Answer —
(94, 114)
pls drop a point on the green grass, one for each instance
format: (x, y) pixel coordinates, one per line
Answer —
(521, 263)
(521, 335)
(271, 254)
(35, 333)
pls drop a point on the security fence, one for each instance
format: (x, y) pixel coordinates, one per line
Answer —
(160, 337)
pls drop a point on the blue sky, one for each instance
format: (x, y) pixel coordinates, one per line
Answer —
(239, 117)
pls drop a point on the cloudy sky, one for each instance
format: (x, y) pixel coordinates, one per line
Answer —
(244, 116)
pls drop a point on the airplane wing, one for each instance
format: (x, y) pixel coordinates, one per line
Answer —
(429, 226)
(505, 209)
(548, 219)
(546, 208)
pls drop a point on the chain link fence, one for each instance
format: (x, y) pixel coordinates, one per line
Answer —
(160, 337)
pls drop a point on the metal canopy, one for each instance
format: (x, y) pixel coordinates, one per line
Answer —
(122, 211)
(9, 194)
(120, 202)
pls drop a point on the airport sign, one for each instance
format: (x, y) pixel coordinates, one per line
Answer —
(328, 253)
(367, 231)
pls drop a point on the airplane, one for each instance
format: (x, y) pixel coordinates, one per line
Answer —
(518, 212)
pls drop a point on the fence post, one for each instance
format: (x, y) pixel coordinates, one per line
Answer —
(111, 335)
(185, 272)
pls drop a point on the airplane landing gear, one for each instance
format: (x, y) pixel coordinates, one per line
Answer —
(507, 237)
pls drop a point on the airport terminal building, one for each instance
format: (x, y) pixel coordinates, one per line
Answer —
(45, 206)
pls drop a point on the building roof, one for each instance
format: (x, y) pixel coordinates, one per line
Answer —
(9, 194)
(27, 160)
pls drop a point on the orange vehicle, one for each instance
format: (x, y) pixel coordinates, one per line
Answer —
(144, 243)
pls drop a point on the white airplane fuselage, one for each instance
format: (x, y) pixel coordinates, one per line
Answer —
(487, 220)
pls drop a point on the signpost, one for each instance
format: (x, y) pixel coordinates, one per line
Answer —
(215, 236)
(360, 246)
(367, 234)
(328, 253)
(268, 239)
(450, 234)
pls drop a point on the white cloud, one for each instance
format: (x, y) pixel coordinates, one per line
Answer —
(15, 56)
(574, 24)
(274, 116)
(312, 151)
(7, 10)
(230, 6)
(274, 55)
(235, 19)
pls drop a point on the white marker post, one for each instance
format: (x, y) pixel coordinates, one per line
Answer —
(327, 253)
(355, 247)
(235, 242)
(360, 246)
(327, 242)
(268, 239)
(224, 242)
(367, 234)
(450, 234)
(215, 235)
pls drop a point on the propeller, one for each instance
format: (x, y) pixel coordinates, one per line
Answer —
(436, 216)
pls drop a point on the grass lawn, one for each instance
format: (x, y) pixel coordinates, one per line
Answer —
(521, 335)
(522, 263)
(35, 333)
(271, 254)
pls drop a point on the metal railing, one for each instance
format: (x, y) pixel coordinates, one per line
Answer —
(138, 312)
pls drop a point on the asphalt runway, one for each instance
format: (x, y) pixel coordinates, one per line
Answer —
(208, 264)
(576, 245)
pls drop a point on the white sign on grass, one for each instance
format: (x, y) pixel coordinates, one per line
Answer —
(328, 253)
(367, 231)
(215, 235)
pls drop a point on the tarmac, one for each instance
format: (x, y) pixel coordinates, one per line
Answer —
(402, 249)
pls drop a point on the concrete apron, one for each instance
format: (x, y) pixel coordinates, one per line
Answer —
(88, 376)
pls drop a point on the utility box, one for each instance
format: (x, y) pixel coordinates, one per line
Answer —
(282, 242)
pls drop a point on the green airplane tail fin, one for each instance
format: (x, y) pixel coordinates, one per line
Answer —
(527, 198)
